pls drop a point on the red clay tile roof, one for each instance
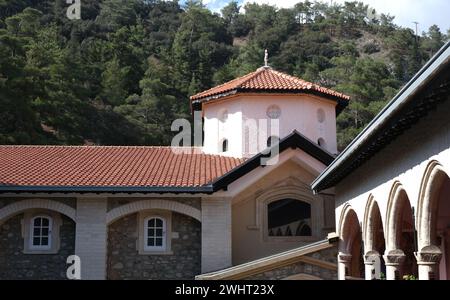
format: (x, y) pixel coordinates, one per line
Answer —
(96, 166)
(267, 79)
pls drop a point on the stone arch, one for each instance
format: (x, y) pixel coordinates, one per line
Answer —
(347, 228)
(374, 240)
(350, 242)
(20, 206)
(130, 208)
(400, 235)
(372, 215)
(433, 179)
(397, 200)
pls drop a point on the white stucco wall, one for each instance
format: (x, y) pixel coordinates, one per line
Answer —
(297, 113)
(216, 130)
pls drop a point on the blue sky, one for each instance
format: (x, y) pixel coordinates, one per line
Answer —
(426, 12)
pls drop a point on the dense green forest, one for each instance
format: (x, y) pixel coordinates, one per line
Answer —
(124, 72)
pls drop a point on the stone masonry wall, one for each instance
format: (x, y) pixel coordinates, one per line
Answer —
(14, 264)
(116, 202)
(328, 255)
(124, 261)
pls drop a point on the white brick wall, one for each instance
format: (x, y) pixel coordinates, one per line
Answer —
(90, 240)
(20, 206)
(216, 234)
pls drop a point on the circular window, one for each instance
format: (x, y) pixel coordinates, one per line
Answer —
(321, 115)
(224, 116)
(274, 112)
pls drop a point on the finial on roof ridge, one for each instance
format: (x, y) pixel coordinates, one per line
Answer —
(266, 58)
(266, 61)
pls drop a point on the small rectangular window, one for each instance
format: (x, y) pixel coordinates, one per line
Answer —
(155, 234)
(40, 233)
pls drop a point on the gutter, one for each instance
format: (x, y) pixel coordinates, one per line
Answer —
(342, 102)
(425, 75)
(294, 140)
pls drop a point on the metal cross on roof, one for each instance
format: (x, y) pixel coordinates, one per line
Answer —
(266, 58)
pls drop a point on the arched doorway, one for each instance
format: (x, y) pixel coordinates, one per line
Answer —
(374, 241)
(434, 224)
(401, 245)
(350, 258)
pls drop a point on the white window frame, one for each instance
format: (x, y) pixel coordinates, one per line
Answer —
(293, 189)
(161, 248)
(49, 235)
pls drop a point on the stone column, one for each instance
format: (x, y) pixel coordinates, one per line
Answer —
(394, 260)
(428, 262)
(216, 234)
(344, 265)
(90, 237)
(372, 262)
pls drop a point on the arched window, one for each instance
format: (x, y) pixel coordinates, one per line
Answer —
(272, 141)
(41, 233)
(289, 217)
(223, 117)
(320, 115)
(155, 234)
(225, 145)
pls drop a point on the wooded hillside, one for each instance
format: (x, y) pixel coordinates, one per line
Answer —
(123, 73)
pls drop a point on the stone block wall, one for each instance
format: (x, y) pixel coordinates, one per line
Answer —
(14, 264)
(117, 202)
(328, 255)
(216, 234)
(124, 261)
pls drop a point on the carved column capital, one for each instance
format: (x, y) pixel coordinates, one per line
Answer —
(371, 257)
(394, 257)
(344, 257)
(430, 255)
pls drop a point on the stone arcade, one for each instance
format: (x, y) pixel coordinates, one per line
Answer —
(392, 185)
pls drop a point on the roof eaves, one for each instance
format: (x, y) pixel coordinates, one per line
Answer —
(406, 94)
(215, 96)
(293, 141)
(342, 103)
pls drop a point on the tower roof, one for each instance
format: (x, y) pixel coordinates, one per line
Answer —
(267, 80)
